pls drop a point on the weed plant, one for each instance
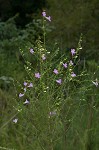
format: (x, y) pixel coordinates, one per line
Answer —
(55, 106)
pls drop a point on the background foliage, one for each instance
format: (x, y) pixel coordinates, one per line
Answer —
(20, 28)
(73, 18)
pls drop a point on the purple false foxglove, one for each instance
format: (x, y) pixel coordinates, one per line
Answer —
(30, 85)
(26, 102)
(55, 71)
(44, 14)
(65, 65)
(21, 95)
(37, 75)
(73, 52)
(31, 50)
(70, 63)
(73, 74)
(15, 120)
(25, 83)
(43, 57)
(59, 81)
(48, 18)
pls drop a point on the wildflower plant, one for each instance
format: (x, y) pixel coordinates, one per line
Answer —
(46, 90)
(47, 94)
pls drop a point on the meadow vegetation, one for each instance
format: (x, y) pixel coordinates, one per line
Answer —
(48, 97)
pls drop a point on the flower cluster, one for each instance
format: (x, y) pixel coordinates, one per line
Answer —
(44, 15)
(26, 85)
(56, 72)
(65, 65)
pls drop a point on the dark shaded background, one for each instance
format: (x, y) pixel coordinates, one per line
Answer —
(25, 9)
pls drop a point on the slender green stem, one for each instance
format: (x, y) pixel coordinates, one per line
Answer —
(44, 32)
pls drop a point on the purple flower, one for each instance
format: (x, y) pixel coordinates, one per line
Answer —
(30, 85)
(31, 50)
(73, 52)
(95, 83)
(59, 81)
(43, 57)
(73, 74)
(44, 14)
(71, 63)
(25, 83)
(48, 18)
(21, 95)
(15, 120)
(55, 71)
(37, 75)
(26, 102)
(65, 65)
